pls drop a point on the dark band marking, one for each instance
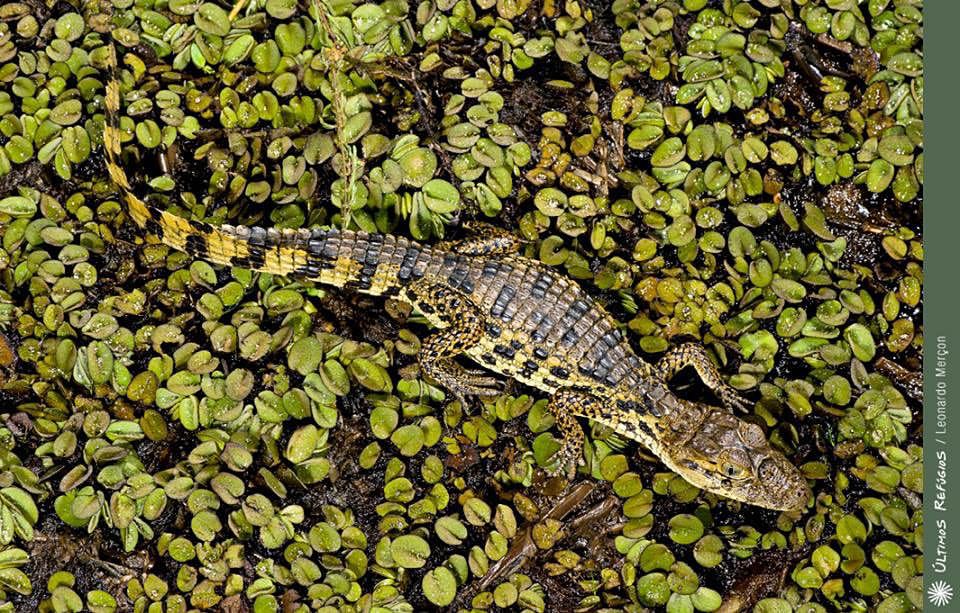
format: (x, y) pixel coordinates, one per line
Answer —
(629, 406)
(422, 263)
(406, 265)
(503, 299)
(153, 227)
(254, 240)
(371, 261)
(365, 280)
(541, 285)
(315, 245)
(529, 367)
(490, 269)
(638, 430)
(273, 238)
(534, 319)
(317, 260)
(612, 338)
(196, 245)
(577, 309)
(331, 250)
(374, 248)
(458, 276)
(256, 257)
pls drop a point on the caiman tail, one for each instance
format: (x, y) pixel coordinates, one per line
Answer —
(370, 263)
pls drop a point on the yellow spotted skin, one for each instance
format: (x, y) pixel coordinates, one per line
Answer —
(515, 317)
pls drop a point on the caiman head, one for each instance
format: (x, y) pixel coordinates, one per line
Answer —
(733, 458)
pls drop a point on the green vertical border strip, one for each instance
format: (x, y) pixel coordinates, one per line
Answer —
(941, 307)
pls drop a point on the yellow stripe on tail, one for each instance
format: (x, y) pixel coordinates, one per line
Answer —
(220, 245)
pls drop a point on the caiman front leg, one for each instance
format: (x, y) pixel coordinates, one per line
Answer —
(461, 327)
(691, 354)
(565, 406)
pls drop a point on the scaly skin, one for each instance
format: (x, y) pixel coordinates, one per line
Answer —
(515, 317)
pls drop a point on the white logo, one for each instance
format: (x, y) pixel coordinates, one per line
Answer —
(940, 593)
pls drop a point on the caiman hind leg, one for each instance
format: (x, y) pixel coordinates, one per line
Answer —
(461, 327)
(692, 354)
(565, 406)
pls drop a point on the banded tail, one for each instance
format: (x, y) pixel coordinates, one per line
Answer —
(370, 263)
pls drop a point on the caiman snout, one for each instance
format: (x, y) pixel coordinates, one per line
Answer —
(784, 485)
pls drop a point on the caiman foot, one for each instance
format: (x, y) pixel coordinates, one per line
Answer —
(691, 354)
(565, 405)
(731, 399)
(567, 460)
(462, 383)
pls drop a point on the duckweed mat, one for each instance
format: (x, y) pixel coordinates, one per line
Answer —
(176, 436)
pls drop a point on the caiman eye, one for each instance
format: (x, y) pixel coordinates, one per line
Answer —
(734, 463)
(733, 471)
